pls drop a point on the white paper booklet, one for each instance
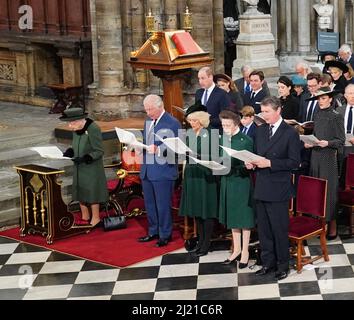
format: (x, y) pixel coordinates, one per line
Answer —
(293, 122)
(243, 155)
(175, 144)
(209, 164)
(309, 139)
(129, 138)
(51, 152)
(348, 136)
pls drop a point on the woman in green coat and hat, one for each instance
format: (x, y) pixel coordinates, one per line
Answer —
(89, 179)
(199, 188)
(235, 208)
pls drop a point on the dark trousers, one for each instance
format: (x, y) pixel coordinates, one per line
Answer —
(205, 229)
(157, 198)
(273, 224)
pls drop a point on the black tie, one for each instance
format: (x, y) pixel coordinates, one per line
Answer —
(310, 112)
(271, 131)
(350, 120)
(253, 95)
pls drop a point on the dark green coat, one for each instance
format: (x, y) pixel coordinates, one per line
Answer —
(199, 188)
(235, 208)
(89, 180)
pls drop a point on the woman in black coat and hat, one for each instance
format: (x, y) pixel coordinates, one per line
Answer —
(329, 130)
(337, 69)
(290, 105)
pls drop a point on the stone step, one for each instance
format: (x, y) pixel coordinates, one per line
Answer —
(10, 217)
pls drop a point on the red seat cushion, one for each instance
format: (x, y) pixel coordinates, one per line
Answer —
(346, 197)
(112, 184)
(301, 226)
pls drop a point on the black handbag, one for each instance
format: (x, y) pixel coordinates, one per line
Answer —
(118, 221)
(114, 223)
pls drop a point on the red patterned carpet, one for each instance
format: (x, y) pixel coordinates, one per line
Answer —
(118, 248)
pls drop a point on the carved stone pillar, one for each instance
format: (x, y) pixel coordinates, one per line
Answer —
(304, 26)
(218, 30)
(110, 100)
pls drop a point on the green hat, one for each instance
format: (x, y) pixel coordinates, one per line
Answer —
(73, 114)
(324, 91)
(298, 81)
(196, 108)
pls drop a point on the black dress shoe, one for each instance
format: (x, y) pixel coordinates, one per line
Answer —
(280, 275)
(98, 225)
(148, 238)
(242, 265)
(201, 253)
(196, 249)
(228, 261)
(330, 238)
(161, 243)
(264, 271)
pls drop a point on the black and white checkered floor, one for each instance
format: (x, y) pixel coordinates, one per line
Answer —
(29, 273)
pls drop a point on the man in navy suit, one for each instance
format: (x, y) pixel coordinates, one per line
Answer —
(257, 94)
(279, 145)
(158, 171)
(308, 109)
(243, 84)
(214, 98)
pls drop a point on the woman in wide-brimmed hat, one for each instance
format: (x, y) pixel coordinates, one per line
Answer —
(89, 181)
(199, 188)
(224, 82)
(329, 130)
(337, 69)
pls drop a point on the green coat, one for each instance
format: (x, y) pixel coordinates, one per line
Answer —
(199, 189)
(235, 208)
(89, 180)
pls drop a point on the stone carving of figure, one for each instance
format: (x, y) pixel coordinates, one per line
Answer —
(325, 14)
(252, 7)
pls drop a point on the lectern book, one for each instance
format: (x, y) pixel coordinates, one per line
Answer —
(185, 43)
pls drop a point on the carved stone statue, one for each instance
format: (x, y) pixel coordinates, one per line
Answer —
(325, 14)
(252, 7)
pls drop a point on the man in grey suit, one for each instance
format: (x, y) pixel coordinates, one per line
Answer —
(243, 84)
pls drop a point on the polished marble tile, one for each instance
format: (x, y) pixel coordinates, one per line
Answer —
(95, 276)
(217, 281)
(135, 286)
(179, 295)
(48, 292)
(255, 292)
(62, 266)
(30, 257)
(178, 270)
(138, 273)
(180, 283)
(92, 289)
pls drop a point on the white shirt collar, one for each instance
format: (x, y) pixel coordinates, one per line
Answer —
(277, 125)
(210, 90)
(257, 90)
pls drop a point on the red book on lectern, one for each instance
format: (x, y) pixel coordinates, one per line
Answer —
(185, 43)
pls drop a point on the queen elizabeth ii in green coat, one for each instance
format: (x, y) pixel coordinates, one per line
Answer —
(235, 206)
(89, 180)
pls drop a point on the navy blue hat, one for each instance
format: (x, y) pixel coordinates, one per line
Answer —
(328, 53)
(337, 64)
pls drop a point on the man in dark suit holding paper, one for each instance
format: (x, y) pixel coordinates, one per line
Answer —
(279, 144)
(158, 171)
(214, 98)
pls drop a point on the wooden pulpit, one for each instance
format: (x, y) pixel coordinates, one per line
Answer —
(43, 210)
(170, 62)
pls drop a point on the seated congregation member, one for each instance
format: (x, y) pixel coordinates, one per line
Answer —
(257, 94)
(247, 121)
(214, 98)
(158, 171)
(289, 104)
(329, 129)
(279, 145)
(224, 82)
(89, 179)
(199, 198)
(235, 210)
